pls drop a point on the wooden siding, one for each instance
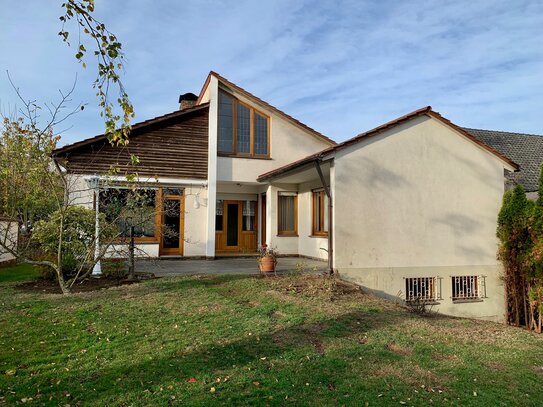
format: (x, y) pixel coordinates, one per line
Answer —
(176, 148)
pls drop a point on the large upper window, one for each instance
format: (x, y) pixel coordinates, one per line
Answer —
(320, 213)
(243, 130)
(287, 213)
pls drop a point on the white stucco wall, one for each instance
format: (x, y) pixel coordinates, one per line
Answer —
(79, 192)
(195, 222)
(419, 200)
(285, 245)
(9, 235)
(309, 245)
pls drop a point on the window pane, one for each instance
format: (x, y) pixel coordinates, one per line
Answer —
(225, 124)
(244, 129)
(325, 228)
(219, 215)
(317, 214)
(126, 208)
(286, 216)
(249, 216)
(261, 134)
(171, 227)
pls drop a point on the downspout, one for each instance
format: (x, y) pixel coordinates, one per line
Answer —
(330, 225)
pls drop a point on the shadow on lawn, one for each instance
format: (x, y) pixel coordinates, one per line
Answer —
(218, 360)
(204, 280)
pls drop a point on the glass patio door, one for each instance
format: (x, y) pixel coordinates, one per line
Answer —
(171, 241)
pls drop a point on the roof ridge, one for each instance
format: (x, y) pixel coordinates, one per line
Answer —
(427, 110)
(504, 132)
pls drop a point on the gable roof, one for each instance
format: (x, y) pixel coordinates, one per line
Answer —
(135, 127)
(263, 103)
(378, 130)
(524, 149)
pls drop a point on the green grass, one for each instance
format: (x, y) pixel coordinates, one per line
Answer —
(20, 272)
(254, 341)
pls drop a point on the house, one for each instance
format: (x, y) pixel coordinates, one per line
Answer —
(9, 233)
(524, 149)
(408, 209)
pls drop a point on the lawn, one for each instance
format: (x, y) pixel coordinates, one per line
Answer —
(240, 340)
(19, 272)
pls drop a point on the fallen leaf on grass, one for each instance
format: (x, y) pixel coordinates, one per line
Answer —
(192, 380)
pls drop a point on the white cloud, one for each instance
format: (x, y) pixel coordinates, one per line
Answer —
(341, 67)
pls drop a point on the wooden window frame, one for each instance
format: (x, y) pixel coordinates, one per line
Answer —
(318, 194)
(158, 221)
(252, 111)
(291, 233)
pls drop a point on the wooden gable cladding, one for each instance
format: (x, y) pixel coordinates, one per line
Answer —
(175, 147)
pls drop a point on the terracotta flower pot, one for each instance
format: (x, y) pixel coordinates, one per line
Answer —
(267, 264)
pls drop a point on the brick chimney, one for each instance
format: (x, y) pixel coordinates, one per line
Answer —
(187, 100)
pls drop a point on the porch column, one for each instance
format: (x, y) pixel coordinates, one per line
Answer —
(270, 210)
(95, 183)
(212, 165)
(259, 217)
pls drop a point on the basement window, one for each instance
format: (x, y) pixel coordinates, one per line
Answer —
(422, 289)
(468, 288)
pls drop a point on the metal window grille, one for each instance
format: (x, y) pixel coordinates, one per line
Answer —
(468, 288)
(424, 289)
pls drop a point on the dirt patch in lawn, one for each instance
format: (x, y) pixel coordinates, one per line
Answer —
(413, 375)
(398, 349)
(91, 284)
(305, 334)
(332, 288)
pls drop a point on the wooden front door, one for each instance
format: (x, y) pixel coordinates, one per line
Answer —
(235, 227)
(172, 225)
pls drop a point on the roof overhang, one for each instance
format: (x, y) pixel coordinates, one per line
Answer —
(426, 111)
(135, 128)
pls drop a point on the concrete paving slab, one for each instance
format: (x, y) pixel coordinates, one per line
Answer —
(167, 268)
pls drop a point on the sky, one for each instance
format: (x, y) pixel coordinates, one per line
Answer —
(341, 67)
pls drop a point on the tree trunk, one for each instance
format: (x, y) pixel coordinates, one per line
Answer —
(63, 286)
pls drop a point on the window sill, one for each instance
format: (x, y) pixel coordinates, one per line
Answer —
(136, 241)
(466, 301)
(319, 236)
(429, 302)
(288, 235)
(249, 157)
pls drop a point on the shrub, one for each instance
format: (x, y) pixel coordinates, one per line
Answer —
(78, 225)
(520, 231)
(116, 269)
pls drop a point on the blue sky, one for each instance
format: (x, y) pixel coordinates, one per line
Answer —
(342, 67)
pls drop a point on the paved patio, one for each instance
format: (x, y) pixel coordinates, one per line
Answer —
(165, 268)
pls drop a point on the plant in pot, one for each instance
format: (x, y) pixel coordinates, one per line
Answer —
(267, 259)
